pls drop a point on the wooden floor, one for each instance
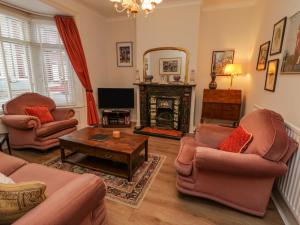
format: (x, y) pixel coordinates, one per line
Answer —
(163, 205)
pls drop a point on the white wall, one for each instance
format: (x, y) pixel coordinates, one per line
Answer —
(169, 27)
(119, 30)
(285, 100)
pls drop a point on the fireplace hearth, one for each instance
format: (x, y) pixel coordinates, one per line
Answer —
(165, 106)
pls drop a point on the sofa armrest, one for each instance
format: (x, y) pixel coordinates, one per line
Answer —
(69, 205)
(22, 122)
(62, 113)
(211, 134)
(237, 163)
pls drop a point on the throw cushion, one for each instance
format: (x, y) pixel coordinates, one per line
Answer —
(42, 112)
(18, 199)
(5, 180)
(237, 141)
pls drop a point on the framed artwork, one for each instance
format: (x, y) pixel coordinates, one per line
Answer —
(291, 59)
(219, 61)
(263, 56)
(170, 66)
(124, 54)
(271, 76)
(278, 36)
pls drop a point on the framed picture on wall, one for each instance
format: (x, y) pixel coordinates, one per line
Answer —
(263, 56)
(219, 61)
(170, 66)
(124, 54)
(291, 59)
(271, 76)
(278, 36)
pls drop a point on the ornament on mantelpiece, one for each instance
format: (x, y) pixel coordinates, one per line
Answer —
(192, 77)
(148, 78)
(213, 84)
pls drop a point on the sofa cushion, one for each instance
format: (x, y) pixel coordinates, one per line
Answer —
(41, 112)
(54, 127)
(17, 199)
(270, 139)
(53, 178)
(9, 164)
(237, 141)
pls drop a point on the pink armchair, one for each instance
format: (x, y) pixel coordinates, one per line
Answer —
(242, 181)
(27, 131)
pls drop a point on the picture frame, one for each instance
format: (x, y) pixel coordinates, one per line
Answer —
(124, 54)
(263, 56)
(219, 61)
(291, 57)
(170, 66)
(278, 36)
(271, 75)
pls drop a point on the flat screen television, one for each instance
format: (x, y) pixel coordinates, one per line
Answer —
(116, 98)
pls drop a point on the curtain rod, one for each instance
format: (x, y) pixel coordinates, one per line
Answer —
(9, 5)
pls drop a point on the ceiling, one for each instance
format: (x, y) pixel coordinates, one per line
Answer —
(33, 6)
(105, 7)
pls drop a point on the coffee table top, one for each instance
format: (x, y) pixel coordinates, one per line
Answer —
(127, 143)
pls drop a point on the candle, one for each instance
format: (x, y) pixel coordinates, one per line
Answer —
(116, 134)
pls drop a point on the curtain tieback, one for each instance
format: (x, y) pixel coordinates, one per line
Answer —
(89, 90)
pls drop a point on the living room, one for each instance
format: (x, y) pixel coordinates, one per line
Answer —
(226, 69)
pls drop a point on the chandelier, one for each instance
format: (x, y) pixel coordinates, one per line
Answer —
(132, 7)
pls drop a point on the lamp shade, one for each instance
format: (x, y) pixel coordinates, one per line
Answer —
(233, 69)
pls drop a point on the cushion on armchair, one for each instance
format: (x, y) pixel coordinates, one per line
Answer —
(42, 112)
(56, 126)
(237, 142)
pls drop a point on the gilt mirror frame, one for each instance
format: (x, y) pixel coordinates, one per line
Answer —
(169, 48)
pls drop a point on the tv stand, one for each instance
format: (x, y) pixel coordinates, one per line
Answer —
(116, 118)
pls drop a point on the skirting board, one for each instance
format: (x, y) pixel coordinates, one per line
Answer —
(284, 211)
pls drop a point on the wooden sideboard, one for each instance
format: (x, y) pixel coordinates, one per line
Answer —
(222, 105)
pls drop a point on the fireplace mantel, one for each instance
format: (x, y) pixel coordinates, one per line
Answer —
(185, 92)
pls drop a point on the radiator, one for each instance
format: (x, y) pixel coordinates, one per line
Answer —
(289, 185)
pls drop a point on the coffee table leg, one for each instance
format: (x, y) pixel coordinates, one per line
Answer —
(62, 152)
(146, 150)
(130, 169)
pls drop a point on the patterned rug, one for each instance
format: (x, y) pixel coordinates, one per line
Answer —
(120, 189)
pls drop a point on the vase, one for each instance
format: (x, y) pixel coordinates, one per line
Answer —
(213, 84)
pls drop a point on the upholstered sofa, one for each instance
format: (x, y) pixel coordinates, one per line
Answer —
(243, 181)
(27, 131)
(71, 198)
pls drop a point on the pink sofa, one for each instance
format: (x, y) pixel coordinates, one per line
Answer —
(71, 198)
(243, 181)
(27, 131)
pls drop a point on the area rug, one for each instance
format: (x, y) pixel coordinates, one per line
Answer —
(174, 134)
(120, 189)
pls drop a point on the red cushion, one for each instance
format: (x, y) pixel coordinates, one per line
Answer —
(237, 141)
(42, 112)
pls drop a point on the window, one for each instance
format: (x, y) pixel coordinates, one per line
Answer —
(33, 59)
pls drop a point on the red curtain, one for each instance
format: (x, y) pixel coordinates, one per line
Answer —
(71, 39)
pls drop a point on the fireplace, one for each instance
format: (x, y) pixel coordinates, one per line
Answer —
(164, 112)
(166, 107)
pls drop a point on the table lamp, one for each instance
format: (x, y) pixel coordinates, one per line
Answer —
(233, 70)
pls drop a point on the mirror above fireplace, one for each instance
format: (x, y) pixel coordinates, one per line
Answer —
(167, 64)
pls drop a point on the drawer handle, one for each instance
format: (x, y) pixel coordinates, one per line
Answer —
(108, 156)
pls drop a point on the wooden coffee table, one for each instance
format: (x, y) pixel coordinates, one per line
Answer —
(120, 157)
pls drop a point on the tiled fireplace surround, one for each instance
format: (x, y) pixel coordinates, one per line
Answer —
(166, 106)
